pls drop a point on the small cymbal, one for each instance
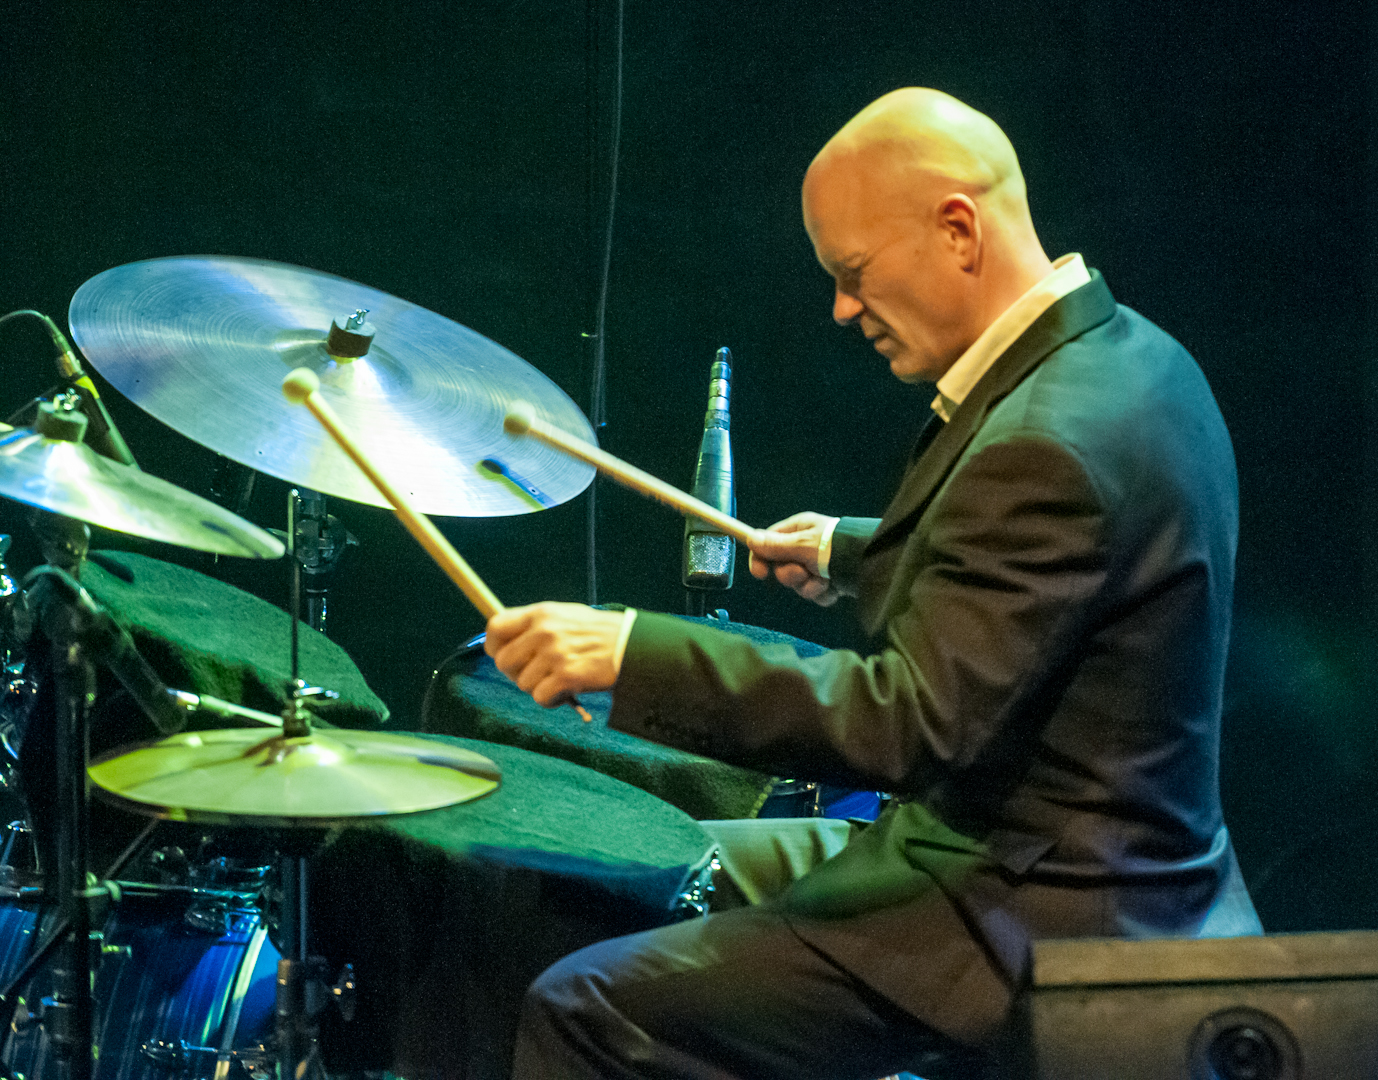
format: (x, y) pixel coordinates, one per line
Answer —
(244, 776)
(70, 478)
(203, 344)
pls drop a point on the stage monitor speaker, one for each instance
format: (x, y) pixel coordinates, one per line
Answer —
(1285, 1007)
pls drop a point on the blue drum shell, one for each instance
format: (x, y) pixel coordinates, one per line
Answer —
(165, 991)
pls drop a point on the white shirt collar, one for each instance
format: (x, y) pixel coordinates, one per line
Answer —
(1068, 274)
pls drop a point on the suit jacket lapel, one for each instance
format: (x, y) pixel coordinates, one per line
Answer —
(1074, 314)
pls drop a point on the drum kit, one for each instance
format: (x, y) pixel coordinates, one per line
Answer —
(204, 344)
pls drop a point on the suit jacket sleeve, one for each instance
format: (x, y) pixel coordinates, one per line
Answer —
(850, 537)
(1000, 595)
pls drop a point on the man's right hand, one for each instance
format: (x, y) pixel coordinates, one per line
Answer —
(789, 548)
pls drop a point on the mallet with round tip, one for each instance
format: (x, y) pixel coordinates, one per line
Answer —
(302, 387)
(521, 419)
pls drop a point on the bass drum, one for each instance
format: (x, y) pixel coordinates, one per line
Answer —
(184, 988)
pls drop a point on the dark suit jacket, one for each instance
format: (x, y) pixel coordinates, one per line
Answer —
(1050, 593)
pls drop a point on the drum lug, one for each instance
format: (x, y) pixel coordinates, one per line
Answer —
(696, 898)
(317, 993)
(172, 865)
(169, 1055)
(181, 1057)
(114, 952)
(344, 992)
(255, 1062)
(209, 917)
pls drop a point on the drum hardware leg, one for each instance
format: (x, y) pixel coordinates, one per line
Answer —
(302, 990)
(345, 993)
(295, 1029)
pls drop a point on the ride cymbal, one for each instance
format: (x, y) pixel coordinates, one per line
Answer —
(245, 776)
(203, 344)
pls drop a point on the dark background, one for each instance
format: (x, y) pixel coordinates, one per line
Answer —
(1213, 161)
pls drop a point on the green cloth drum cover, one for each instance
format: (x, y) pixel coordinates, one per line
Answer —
(449, 915)
(468, 696)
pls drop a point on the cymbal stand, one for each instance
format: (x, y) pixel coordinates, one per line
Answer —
(66, 1016)
(296, 1027)
(302, 991)
(302, 988)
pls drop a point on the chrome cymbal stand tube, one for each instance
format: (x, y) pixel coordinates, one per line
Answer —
(301, 988)
(67, 1014)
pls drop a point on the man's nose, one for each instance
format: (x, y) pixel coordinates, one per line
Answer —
(846, 308)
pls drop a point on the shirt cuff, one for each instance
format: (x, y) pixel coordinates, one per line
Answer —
(618, 649)
(825, 547)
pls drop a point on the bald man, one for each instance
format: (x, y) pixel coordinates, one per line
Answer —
(1049, 598)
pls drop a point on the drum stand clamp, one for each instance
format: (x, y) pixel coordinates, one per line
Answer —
(303, 993)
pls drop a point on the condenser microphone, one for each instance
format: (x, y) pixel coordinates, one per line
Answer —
(101, 434)
(709, 555)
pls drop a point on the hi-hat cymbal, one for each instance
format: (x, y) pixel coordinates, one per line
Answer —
(245, 776)
(203, 344)
(70, 478)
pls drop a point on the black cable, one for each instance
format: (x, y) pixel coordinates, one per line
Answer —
(31, 404)
(24, 311)
(102, 435)
(597, 401)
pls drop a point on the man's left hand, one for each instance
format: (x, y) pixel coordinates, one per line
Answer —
(554, 651)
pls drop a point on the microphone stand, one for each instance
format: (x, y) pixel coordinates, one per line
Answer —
(66, 1016)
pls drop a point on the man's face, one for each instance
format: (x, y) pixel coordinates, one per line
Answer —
(895, 277)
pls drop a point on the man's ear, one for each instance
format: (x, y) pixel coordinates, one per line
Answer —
(960, 223)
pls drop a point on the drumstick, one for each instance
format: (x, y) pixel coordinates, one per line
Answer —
(302, 387)
(521, 419)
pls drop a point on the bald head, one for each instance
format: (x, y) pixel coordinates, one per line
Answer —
(917, 207)
(928, 132)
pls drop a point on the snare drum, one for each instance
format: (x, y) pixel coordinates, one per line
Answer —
(184, 987)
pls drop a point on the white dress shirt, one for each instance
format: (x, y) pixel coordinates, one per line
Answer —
(1068, 274)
